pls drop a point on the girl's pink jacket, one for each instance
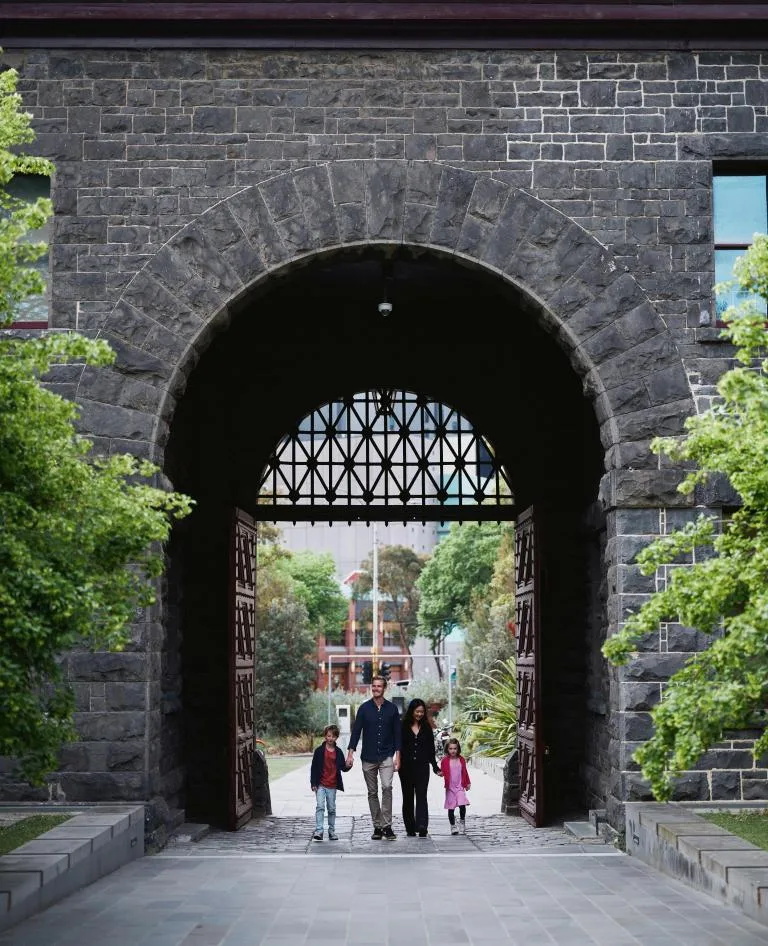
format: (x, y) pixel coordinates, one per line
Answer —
(445, 768)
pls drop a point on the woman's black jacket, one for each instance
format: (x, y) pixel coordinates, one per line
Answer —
(417, 750)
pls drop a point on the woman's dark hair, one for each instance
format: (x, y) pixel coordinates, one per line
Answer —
(408, 715)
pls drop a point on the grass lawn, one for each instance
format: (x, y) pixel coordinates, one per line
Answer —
(280, 765)
(28, 829)
(750, 825)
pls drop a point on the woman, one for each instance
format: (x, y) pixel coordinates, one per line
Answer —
(417, 755)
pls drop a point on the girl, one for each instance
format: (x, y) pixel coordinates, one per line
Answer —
(417, 757)
(454, 769)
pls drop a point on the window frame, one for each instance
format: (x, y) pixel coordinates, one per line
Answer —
(732, 169)
(27, 324)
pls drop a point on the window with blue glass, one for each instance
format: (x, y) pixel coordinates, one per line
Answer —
(740, 211)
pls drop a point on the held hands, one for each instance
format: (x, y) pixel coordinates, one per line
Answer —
(436, 770)
(350, 757)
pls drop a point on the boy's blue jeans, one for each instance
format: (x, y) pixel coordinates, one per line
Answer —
(325, 796)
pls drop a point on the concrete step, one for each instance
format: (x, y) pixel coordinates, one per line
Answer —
(190, 831)
(583, 830)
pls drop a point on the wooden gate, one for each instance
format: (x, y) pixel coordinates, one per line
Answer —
(529, 737)
(242, 639)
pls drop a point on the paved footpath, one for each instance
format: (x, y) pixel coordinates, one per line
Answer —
(503, 883)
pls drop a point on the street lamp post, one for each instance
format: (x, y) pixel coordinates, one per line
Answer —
(375, 598)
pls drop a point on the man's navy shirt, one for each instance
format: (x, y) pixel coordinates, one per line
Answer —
(380, 727)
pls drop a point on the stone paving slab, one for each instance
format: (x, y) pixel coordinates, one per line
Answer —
(565, 899)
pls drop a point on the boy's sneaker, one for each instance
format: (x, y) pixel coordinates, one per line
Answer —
(454, 829)
(317, 836)
(389, 834)
(332, 836)
(422, 834)
(376, 836)
(462, 826)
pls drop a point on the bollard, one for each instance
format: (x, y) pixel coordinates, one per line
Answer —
(510, 797)
(262, 800)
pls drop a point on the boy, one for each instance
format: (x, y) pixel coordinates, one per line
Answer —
(325, 778)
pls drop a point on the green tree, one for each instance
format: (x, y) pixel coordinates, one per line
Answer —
(79, 535)
(398, 574)
(489, 640)
(285, 667)
(458, 571)
(315, 585)
(725, 592)
(286, 639)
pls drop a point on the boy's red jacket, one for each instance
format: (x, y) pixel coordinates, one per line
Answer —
(445, 768)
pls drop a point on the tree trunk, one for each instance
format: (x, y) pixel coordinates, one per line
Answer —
(404, 645)
(439, 664)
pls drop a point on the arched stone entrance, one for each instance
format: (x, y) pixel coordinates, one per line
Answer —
(511, 312)
(615, 340)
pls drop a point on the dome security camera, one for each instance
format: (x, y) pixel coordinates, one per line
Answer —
(385, 308)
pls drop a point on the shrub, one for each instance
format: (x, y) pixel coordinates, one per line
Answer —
(488, 722)
(317, 706)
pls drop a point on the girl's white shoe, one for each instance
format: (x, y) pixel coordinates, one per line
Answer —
(454, 829)
(462, 826)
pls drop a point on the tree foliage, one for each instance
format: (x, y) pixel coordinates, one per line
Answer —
(79, 535)
(286, 636)
(315, 585)
(488, 722)
(398, 574)
(725, 592)
(285, 668)
(489, 640)
(459, 571)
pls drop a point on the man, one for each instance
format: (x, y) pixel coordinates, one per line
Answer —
(379, 722)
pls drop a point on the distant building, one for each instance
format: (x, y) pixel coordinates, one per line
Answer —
(350, 545)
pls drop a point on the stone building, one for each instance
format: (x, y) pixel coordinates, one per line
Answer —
(231, 182)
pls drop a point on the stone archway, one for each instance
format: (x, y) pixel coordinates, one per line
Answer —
(568, 283)
(165, 318)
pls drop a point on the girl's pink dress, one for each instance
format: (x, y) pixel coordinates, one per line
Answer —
(455, 794)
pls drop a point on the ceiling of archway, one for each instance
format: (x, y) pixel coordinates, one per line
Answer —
(384, 454)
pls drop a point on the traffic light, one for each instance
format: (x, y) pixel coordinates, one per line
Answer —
(385, 670)
(367, 671)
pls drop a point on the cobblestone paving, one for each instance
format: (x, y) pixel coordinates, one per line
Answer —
(491, 834)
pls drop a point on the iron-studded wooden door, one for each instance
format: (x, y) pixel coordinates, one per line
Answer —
(530, 749)
(242, 639)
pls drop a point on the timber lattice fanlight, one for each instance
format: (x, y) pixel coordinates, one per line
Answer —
(384, 455)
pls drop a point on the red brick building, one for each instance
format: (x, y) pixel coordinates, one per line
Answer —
(347, 671)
